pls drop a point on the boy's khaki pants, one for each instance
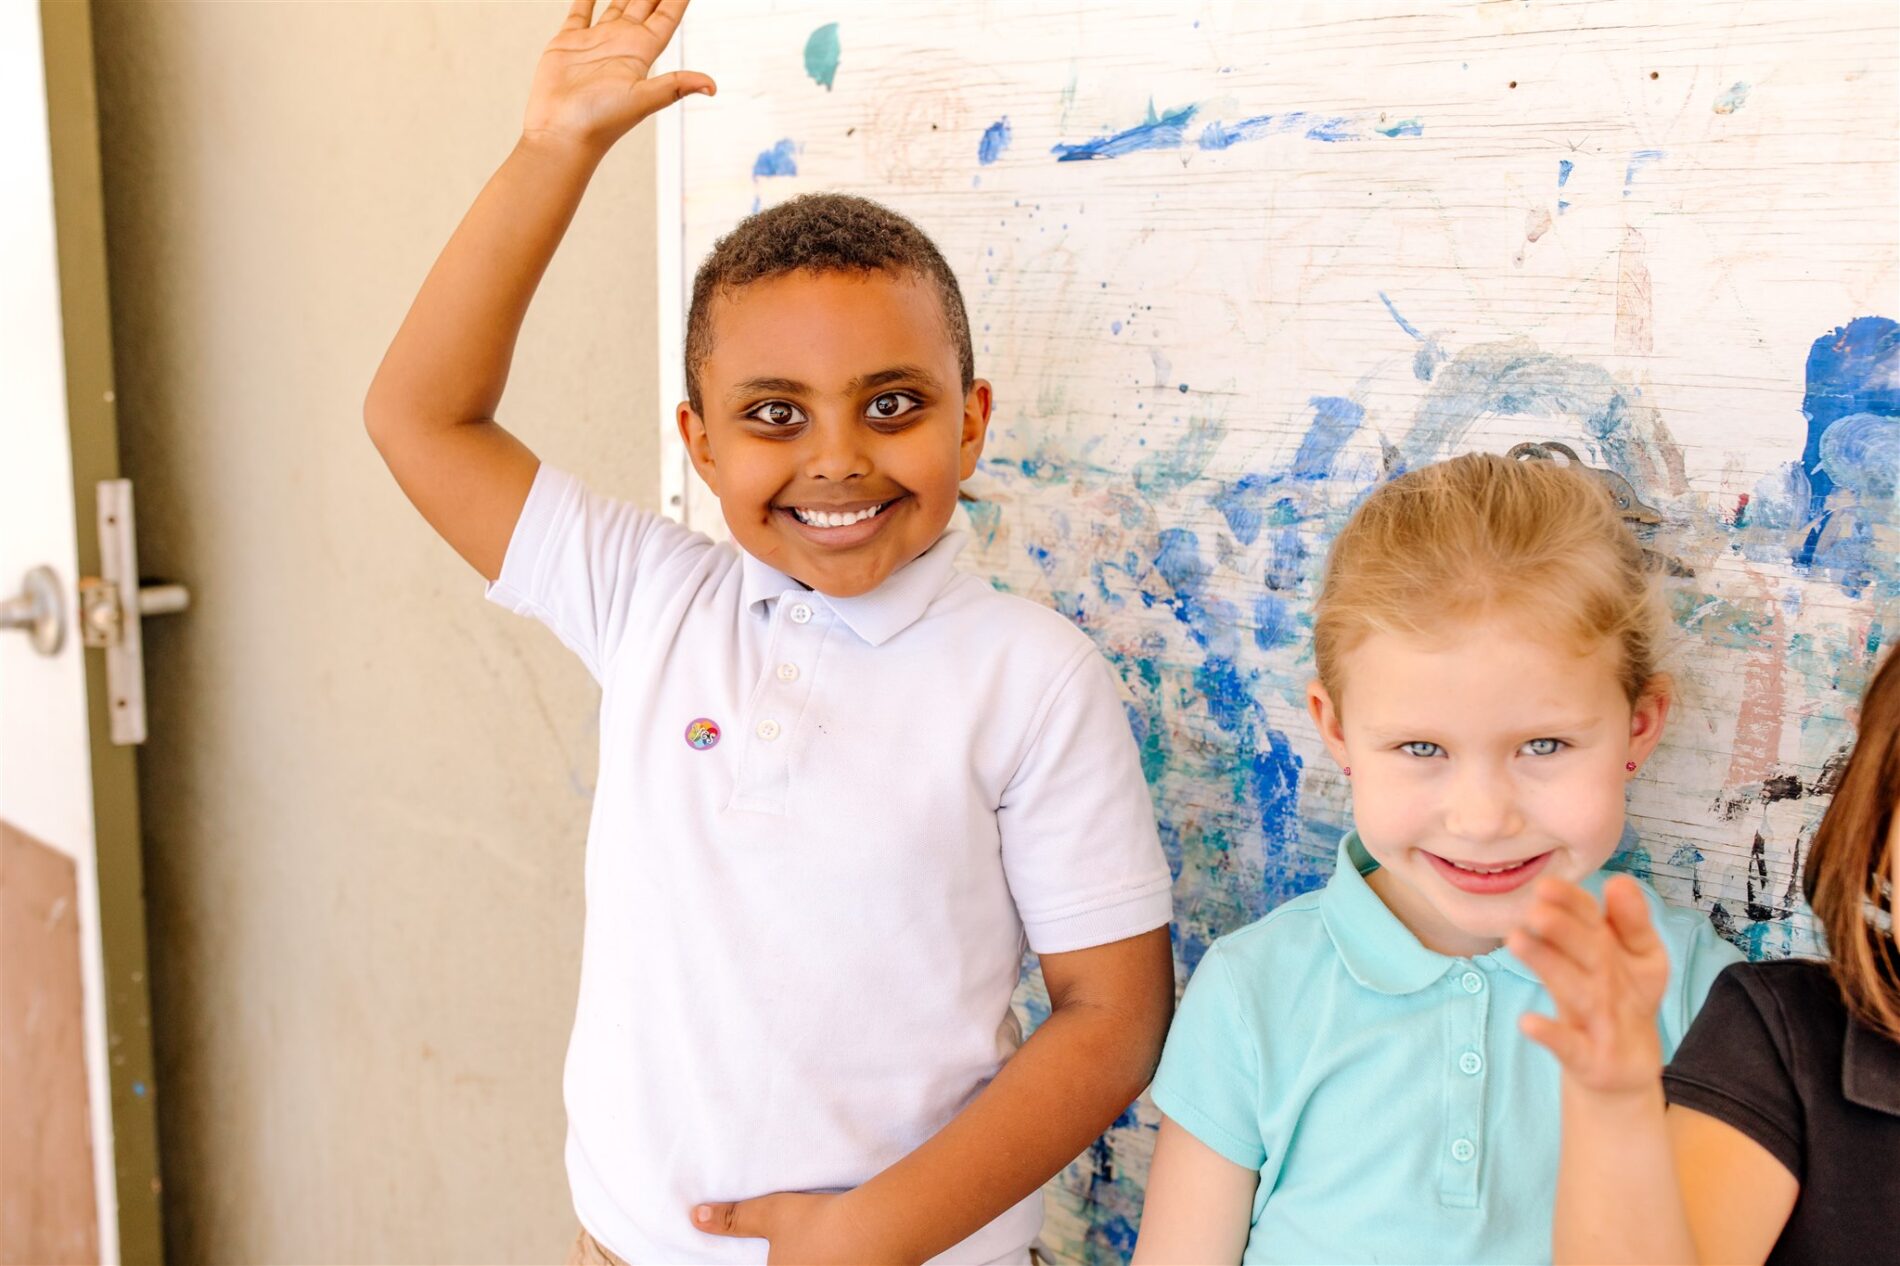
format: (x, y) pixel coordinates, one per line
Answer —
(588, 1251)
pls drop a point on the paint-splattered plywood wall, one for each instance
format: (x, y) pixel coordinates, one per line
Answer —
(1229, 263)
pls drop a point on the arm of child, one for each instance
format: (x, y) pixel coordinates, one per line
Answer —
(430, 409)
(1636, 1182)
(1109, 1009)
(1199, 1204)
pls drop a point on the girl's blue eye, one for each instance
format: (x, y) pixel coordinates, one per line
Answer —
(1421, 749)
(892, 404)
(1545, 747)
(777, 413)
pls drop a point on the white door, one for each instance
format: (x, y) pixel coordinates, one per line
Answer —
(78, 1151)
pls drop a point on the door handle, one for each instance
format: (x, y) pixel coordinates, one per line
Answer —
(40, 609)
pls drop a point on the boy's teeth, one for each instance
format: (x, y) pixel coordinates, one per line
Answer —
(825, 518)
(1486, 870)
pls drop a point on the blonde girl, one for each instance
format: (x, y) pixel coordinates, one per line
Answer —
(1345, 1080)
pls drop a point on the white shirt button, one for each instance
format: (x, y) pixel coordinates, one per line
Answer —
(788, 672)
(1462, 1150)
(801, 614)
(768, 730)
(1472, 981)
(1471, 1063)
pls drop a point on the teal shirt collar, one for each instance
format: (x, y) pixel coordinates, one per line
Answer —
(1378, 950)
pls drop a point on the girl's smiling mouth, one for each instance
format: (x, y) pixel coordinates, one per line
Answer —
(1489, 879)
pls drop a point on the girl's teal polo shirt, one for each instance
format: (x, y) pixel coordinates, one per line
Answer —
(1383, 1091)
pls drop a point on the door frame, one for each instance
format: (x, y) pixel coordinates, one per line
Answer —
(93, 427)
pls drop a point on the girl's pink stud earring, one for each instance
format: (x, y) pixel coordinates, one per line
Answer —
(1630, 765)
(1349, 770)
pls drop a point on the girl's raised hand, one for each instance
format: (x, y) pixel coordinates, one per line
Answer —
(591, 85)
(1607, 970)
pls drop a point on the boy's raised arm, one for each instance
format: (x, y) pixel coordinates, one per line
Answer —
(430, 409)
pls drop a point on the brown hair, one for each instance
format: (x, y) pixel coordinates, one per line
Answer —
(1483, 534)
(1850, 863)
(821, 233)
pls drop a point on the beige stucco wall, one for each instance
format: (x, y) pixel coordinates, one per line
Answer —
(366, 790)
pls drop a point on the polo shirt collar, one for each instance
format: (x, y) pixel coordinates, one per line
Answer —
(1379, 950)
(877, 616)
(1870, 1069)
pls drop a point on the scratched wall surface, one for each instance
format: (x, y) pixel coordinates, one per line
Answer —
(1228, 265)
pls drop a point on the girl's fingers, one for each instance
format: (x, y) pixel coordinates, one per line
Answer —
(578, 14)
(1565, 1043)
(1579, 933)
(1569, 984)
(1628, 916)
(613, 10)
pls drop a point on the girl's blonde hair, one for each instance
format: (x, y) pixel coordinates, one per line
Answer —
(1849, 875)
(1484, 535)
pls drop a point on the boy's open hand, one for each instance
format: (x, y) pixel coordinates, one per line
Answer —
(804, 1228)
(1606, 969)
(591, 85)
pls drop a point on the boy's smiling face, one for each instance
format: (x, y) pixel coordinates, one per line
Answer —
(835, 428)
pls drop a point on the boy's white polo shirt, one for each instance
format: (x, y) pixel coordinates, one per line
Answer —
(803, 933)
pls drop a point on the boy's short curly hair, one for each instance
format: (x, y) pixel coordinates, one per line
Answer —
(821, 233)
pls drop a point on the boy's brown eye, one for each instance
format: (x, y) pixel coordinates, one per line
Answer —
(777, 413)
(893, 404)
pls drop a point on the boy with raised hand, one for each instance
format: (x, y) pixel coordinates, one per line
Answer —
(841, 784)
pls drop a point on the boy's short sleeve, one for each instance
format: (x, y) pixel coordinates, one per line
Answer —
(580, 562)
(1209, 1079)
(1079, 845)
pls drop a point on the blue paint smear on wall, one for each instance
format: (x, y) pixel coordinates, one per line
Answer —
(1165, 131)
(780, 160)
(1335, 418)
(1638, 160)
(1169, 131)
(821, 55)
(995, 140)
(1731, 101)
(1852, 450)
(1564, 168)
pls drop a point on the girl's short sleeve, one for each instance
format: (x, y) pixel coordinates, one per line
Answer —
(1209, 1079)
(1734, 1066)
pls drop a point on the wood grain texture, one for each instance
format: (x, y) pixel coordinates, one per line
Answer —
(47, 1214)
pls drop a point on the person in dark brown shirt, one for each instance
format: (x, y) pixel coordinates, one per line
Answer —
(1780, 1141)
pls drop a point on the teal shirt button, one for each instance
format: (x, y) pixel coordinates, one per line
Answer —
(1472, 981)
(1470, 1063)
(1463, 1150)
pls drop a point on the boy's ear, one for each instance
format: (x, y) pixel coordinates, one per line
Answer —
(976, 426)
(1325, 714)
(1648, 716)
(693, 435)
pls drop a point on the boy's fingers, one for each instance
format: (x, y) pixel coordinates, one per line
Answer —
(578, 14)
(665, 16)
(1565, 895)
(747, 1219)
(664, 90)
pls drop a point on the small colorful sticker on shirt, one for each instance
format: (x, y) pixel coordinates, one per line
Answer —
(702, 734)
